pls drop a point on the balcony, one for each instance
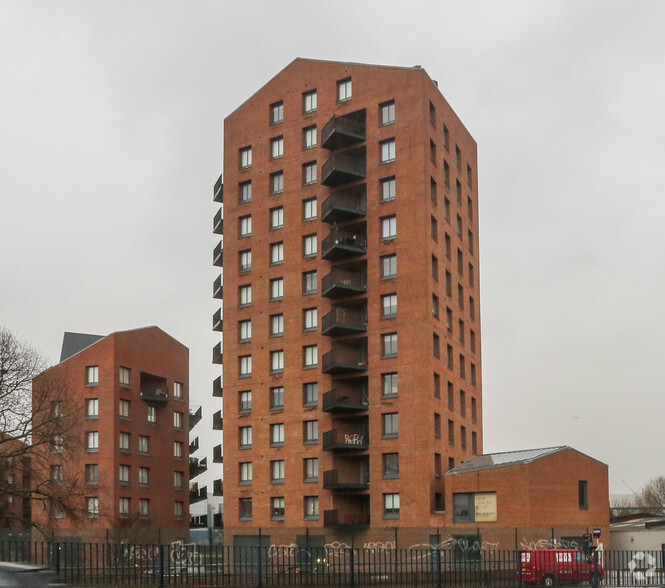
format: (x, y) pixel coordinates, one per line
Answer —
(337, 518)
(351, 440)
(218, 288)
(217, 456)
(218, 190)
(345, 204)
(340, 244)
(340, 282)
(346, 480)
(218, 255)
(217, 388)
(217, 421)
(344, 167)
(342, 320)
(218, 223)
(218, 354)
(218, 487)
(217, 322)
(194, 445)
(195, 416)
(197, 466)
(345, 130)
(347, 399)
(345, 359)
(153, 389)
(197, 493)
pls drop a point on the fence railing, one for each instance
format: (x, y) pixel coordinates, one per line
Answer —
(180, 564)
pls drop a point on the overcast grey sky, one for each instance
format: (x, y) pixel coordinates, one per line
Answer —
(111, 139)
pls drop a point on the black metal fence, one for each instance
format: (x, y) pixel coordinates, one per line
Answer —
(196, 565)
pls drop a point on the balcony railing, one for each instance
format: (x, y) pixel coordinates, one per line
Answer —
(155, 396)
(344, 359)
(338, 518)
(194, 445)
(218, 223)
(217, 456)
(218, 190)
(344, 204)
(345, 399)
(217, 322)
(344, 167)
(195, 416)
(217, 388)
(218, 254)
(197, 466)
(218, 487)
(346, 480)
(344, 321)
(341, 244)
(197, 493)
(218, 354)
(344, 130)
(217, 421)
(351, 440)
(218, 288)
(340, 282)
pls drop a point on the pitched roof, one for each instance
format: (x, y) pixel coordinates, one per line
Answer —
(507, 458)
(73, 343)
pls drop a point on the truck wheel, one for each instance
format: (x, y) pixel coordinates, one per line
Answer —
(548, 581)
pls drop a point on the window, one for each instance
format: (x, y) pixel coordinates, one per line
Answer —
(143, 443)
(245, 226)
(446, 137)
(92, 408)
(458, 190)
(276, 147)
(309, 101)
(473, 374)
(388, 266)
(462, 403)
(434, 229)
(276, 325)
(277, 508)
(57, 475)
(446, 209)
(276, 361)
(309, 137)
(446, 173)
(177, 449)
(244, 331)
(458, 157)
(387, 113)
(144, 508)
(471, 275)
(309, 209)
(178, 509)
(437, 465)
(460, 295)
(277, 397)
(309, 173)
(245, 509)
(391, 506)
(390, 423)
(245, 472)
(310, 432)
(245, 260)
(92, 474)
(310, 356)
(277, 217)
(311, 469)
(435, 268)
(277, 182)
(474, 410)
(344, 90)
(389, 227)
(244, 295)
(389, 384)
(449, 319)
(436, 346)
(144, 476)
(277, 289)
(389, 345)
(437, 425)
(309, 282)
(460, 330)
(178, 478)
(152, 414)
(178, 419)
(276, 112)
(245, 366)
(389, 305)
(93, 507)
(177, 390)
(387, 150)
(390, 463)
(309, 246)
(437, 385)
(92, 375)
(245, 192)
(388, 189)
(310, 319)
(244, 437)
(432, 191)
(92, 441)
(246, 157)
(123, 507)
(449, 356)
(277, 434)
(462, 438)
(451, 396)
(310, 394)
(451, 432)
(123, 408)
(276, 253)
(432, 151)
(472, 308)
(459, 225)
(277, 471)
(311, 508)
(474, 443)
(123, 376)
(435, 306)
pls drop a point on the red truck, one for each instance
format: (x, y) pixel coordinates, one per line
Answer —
(557, 566)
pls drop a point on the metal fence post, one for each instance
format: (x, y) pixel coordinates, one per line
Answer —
(438, 566)
(260, 565)
(352, 578)
(161, 565)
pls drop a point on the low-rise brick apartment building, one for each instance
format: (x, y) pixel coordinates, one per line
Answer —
(350, 314)
(124, 461)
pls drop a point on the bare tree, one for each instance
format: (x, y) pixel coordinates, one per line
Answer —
(652, 496)
(36, 423)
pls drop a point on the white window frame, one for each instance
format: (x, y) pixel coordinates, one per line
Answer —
(245, 401)
(388, 227)
(309, 137)
(344, 90)
(277, 182)
(277, 217)
(177, 448)
(310, 245)
(277, 253)
(92, 441)
(245, 330)
(245, 295)
(92, 408)
(389, 305)
(310, 356)
(245, 260)
(277, 471)
(276, 112)
(389, 345)
(276, 147)
(245, 366)
(123, 408)
(311, 432)
(245, 225)
(387, 112)
(277, 361)
(92, 375)
(309, 209)
(310, 101)
(277, 289)
(310, 319)
(245, 192)
(178, 419)
(311, 505)
(245, 436)
(245, 157)
(388, 189)
(388, 151)
(309, 174)
(276, 325)
(277, 434)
